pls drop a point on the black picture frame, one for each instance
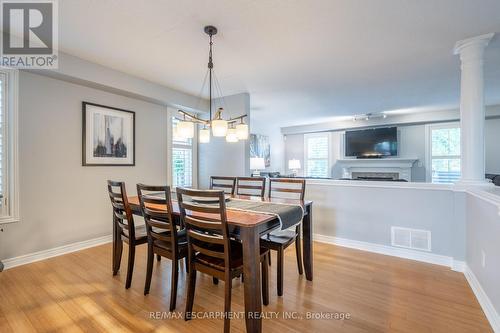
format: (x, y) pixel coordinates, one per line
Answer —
(85, 127)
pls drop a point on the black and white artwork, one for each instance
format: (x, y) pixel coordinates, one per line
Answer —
(108, 135)
(260, 147)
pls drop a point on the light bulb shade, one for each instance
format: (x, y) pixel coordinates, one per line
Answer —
(242, 131)
(204, 136)
(231, 135)
(219, 127)
(257, 163)
(185, 129)
(294, 164)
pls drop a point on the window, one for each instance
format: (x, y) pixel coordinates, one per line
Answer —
(317, 155)
(9, 208)
(183, 159)
(444, 153)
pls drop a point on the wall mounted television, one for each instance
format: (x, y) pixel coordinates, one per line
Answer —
(372, 143)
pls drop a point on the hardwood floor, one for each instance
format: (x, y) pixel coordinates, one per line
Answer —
(77, 292)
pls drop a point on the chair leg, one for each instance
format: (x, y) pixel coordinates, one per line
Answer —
(298, 251)
(186, 264)
(149, 270)
(118, 255)
(215, 280)
(190, 293)
(265, 281)
(158, 257)
(227, 303)
(175, 278)
(280, 271)
(130, 268)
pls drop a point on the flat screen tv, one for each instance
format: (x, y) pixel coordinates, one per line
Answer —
(372, 143)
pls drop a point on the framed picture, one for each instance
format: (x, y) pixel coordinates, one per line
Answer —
(259, 147)
(108, 136)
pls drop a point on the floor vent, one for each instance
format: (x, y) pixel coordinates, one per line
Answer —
(411, 238)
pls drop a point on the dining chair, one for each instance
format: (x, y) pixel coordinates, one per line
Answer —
(227, 184)
(124, 229)
(210, 248)
(252, 186)
(165, 238)
(281, 239)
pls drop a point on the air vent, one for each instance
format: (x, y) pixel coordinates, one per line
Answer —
(411, 238)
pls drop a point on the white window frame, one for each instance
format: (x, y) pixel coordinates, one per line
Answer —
(170, 145)
(10, 210)
(428, 147)
(329, 158)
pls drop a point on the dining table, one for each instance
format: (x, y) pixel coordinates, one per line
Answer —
(249, 227)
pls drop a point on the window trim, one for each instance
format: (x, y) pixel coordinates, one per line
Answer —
(11, 120)
(170, 145)
(329, 158)
(428, 147)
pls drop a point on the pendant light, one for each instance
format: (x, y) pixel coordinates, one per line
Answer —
(217, 126)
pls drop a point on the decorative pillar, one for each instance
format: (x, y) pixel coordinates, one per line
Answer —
(472, 115)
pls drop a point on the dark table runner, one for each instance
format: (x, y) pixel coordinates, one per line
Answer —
(288, 215)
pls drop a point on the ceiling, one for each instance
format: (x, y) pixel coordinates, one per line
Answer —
(301, 61)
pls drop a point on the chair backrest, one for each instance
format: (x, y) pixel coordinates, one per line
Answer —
(253, 186)
(122, 214)
(156, 206)
(293, 187)
(227, 184)
(206, 225)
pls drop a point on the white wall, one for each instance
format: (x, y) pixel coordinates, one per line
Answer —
(219, 158)
(62, 202)
(492, 149)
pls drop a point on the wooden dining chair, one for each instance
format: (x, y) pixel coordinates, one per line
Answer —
(165, 237)
(226, 184)
(124, 229)
(252, 186)
(281, 239)
(210, 249)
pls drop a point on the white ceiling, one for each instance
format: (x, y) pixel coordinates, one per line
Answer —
(301, 61)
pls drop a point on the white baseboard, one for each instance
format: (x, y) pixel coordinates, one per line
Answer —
(427, 257)
(57, 251)
(483, 299)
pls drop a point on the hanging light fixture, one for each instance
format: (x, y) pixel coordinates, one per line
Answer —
(217, 125)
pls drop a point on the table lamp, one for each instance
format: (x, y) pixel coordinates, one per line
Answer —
(256, 164)
(294, 165)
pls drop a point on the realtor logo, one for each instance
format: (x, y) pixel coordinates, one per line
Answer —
(29, 33)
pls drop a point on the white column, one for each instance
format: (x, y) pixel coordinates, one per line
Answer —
(472, 114)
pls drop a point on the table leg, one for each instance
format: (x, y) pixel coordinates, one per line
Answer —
(250, 239)
(307, 243)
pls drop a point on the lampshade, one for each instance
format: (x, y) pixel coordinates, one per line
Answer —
(185, 129)
(294, 164)
(231, 135)
(204, 135)
(242, 131)
(219, 127)
(257, 163)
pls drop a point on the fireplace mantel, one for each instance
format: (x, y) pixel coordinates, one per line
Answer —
(401, 165)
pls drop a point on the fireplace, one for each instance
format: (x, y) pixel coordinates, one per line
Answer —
(391, 169)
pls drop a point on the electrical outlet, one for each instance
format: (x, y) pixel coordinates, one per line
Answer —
(483, 259)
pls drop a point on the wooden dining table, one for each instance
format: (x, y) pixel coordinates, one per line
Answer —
(249, 227)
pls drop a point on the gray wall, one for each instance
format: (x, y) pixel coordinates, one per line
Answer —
(366, 213)
(483, 232)
(62, 202)
(219, 158)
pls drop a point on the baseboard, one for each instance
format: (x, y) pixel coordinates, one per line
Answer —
(483, 299)
(427, 257)
(57, 251)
